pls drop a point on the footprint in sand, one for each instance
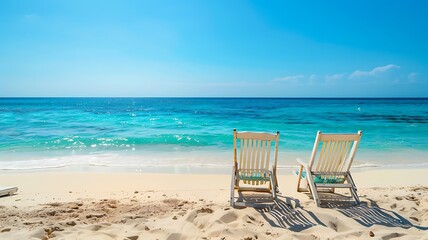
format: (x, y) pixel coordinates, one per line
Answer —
(393, 235)
(229, 217)
(419, 189)
(191, 216)
(96, 227)
(174, 236)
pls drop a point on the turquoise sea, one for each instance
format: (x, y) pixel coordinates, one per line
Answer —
(139, 133)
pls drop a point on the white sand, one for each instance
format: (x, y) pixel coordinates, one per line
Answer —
(191, 206)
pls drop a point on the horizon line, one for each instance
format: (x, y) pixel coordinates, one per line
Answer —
(207, 97)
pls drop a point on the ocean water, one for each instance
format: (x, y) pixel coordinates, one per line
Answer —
(136, 133)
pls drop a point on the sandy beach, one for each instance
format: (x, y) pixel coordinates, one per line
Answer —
(87, 205)
(130, 120)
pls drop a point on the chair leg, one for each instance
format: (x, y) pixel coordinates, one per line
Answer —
(353, 188)
(299, 182)
(274, 186)
(350, 180)
(232, 190)
(355, 195)
(299, 179)
(276, 180)
(313, 188)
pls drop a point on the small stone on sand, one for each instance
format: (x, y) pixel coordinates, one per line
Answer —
(71, 223)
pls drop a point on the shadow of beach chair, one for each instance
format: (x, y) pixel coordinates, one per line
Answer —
(287, 213)
(369, 213)
(254, 168)
(7, 191)
(329, 166)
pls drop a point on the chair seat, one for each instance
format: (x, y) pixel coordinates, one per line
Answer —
(333, 185)
(320, 179)
(254, 175)
(253, 178)
(325, 179)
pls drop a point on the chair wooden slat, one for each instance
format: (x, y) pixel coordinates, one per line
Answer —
(339, 158)
(241, 147)
(243, 152)
(258, 136)
(334, 156)
(325, 156)
(257, 159)
(346, 154)
(247, 154)
(263, 154)
(339, 137)
(354, 150)
(268, 155)
(321, 155)
(253, 158)
(330, 157)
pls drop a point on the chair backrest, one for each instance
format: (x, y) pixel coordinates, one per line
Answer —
(334, 152)
(255, 150)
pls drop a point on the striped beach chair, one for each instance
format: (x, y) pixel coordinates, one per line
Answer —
(254, 164)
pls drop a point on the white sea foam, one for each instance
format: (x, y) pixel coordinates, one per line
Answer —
(169, 161)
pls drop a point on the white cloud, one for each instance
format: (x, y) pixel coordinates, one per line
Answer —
(229, 84)
(388, 74)
(412, 76)
(334, 77)
(312, 79)
(290, 79)
(377, 71)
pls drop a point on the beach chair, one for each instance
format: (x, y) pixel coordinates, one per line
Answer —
(254, 164)
(329, 165)
(7, 191)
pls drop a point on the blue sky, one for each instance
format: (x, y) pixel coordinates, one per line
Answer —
(214, 48)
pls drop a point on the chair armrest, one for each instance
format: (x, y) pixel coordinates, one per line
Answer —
(308, 174)
(305, 165)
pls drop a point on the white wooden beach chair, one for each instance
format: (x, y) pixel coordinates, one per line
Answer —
(330, 163)
(7, 191)
(254, 165)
